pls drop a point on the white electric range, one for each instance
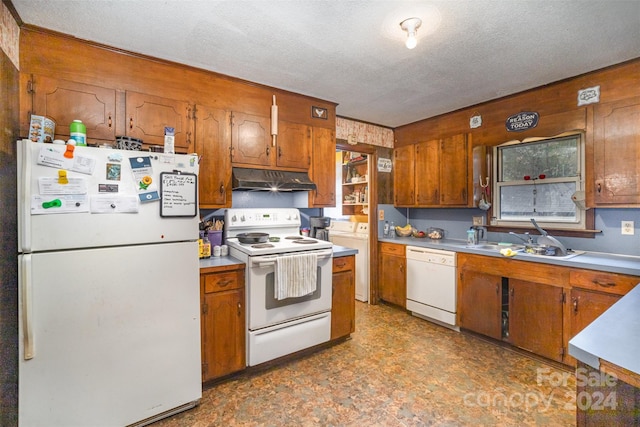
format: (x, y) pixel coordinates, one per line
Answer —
(275, 326)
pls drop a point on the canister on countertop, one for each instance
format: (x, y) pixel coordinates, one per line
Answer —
(78, 132)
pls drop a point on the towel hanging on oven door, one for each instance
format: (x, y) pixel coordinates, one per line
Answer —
(295, 275)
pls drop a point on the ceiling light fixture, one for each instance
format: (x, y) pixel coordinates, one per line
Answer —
(411, 26)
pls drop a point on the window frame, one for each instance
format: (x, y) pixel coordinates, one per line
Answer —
(581, 221)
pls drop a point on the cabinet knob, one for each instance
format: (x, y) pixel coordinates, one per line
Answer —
(239, 309)
(279, 151)
(268, 150)
(599, 186)
(221, 188)
(131, 122)
(575, 304)
(110, 122)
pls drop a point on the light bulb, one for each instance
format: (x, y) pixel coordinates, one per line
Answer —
(411, 26)
(411, 41)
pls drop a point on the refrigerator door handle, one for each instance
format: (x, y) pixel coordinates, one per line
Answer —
(27, 325)
(25, 162)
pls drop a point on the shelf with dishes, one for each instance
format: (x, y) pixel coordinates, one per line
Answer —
(355, 184)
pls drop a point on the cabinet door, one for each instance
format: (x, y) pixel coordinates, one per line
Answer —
(250, 140)
(586, 306)
(617, 152)
(323, 170)
(213, 143)
(454, 171)
(148, 115)
(403, 176)
(427, 173)
(66, 101)
(535, 318)
(343, 309)
(223, 344)
(393, 281)
(479, 308)
(294, 146)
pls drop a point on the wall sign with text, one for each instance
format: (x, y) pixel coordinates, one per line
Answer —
(522, 121)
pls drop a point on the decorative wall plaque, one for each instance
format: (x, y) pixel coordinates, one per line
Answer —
(319, 113)
(522, 121)
(590, 95)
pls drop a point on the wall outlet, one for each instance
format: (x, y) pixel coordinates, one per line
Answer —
(627, 227)
(381, 214)
(478, 220)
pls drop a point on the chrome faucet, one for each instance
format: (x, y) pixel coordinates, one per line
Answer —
(528, 240)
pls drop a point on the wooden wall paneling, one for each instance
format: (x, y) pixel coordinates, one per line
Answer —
(47, 53)
(616, 82)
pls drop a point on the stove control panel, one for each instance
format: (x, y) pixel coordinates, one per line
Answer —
(266, 218)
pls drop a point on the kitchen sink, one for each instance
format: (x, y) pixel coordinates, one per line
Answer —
(570, 254)
(520, 249)
(496, 247)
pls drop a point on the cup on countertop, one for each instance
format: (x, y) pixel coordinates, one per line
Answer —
(216, 250)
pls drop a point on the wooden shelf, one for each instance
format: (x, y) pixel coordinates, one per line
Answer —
(355, 183)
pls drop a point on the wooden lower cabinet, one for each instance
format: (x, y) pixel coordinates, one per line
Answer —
(545, 305)
(587, 305)
(392, 277)
(535, 318)
(222, 291)
(343, 301)
(479, 303)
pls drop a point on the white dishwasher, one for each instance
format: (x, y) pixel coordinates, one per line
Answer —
(431, 285)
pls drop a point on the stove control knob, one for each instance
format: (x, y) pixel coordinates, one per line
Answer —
(289, 217)
(234, 218)
(242, 218)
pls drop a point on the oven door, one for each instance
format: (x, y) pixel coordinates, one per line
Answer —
(265, 310)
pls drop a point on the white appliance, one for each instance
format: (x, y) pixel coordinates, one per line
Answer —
(354, 235)
(431, 285)
(277, 327)
(109, 318)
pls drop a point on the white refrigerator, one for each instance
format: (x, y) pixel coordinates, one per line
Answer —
(109, 318)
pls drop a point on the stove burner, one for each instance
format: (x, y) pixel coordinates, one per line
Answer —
(305, 241)
(294, 237)
(263, 245)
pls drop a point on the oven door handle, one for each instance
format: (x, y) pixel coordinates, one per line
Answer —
(266, 261)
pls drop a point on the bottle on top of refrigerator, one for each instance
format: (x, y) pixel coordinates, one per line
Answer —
(78, 132)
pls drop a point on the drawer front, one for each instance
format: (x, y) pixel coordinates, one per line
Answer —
(217, 282)
(614, 283)
(345, 263)
(392, 249)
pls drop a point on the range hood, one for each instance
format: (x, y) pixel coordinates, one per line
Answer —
(271, 180)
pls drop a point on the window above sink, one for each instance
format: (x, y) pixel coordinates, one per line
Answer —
(537, 178)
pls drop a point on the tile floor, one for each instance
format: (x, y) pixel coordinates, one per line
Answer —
(397, 370)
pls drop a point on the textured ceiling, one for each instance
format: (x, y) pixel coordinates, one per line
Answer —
(352, 51)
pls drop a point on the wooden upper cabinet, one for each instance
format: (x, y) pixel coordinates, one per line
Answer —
(434, 173)
(66, 101)
(427, 172)
(323, 170)
(213, 143)
(148, 115)
(250, 140)
(293, 146)
(403, 176)
(617, 152)
(454, 171)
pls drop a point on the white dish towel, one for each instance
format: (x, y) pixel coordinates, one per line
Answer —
(296, 275)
